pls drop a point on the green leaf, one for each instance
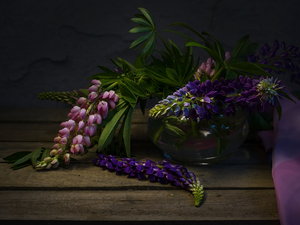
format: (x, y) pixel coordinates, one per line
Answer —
(249, 68)
(135, 88)
(16, 156)
(279, 110)
(127, 94)
(147, 15)
(20, 166)
(230, 74)
(35, 155)
(172, 74)
(139, 62)
(148, 84)
(141, 21)
(240, 46)
(22, 160)
(126, 132)
(46, 153)
(147, 46)
(140, 29)
(173, 130)
(118, 64)
(110, 128)
(123, 61)
(140, 40)
(211, 52)
(143, 105)
(286, 96)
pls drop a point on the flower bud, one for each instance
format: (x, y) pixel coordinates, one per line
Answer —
(57, 139)
(63, 141)
(54, 161)
(55, 165)
(81, 100)
(82, 113)
(87, 140)
(93, 88)
(59, 151)
(202, 67)
(98, 118)
(47, 159)
(56, 146)
(96, 82)
(48, 166)
(111, 94)
(111, 104)
(67, 157)
(116, 98)
(53, 152)
(75, 109)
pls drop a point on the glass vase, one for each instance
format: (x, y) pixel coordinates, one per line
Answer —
(198, 143)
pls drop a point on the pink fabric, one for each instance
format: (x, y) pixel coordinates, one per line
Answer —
(286, 160)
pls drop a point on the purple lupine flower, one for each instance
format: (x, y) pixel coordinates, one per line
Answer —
(163, 172)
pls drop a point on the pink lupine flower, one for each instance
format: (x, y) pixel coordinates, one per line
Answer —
(208, 69)
(91, 119)
(80, 125)
(93, 88)
(59, 151)
(63, 141)
(67, 158)
(86, 130)
(111, 94)
(92, 96)
(87, 140)
(82, 113)
(57, 139)
(54, 161)
(111, 104)
(105, 95)
(72, 149)
(98, 118)
(202, 67)
(75, 109)
(68, 123)
(227, 56)
(96, 82)
(212, 73)
(116, 98)
(81, 100)
(56, 146)
(92, 130)
(53, 152)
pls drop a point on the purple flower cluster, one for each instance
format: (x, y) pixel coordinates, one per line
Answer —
(81, 126)
(201, 100)
(288, 59)
(163, 172)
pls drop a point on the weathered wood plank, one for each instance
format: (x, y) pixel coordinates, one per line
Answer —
(52, 115)
(248, 153)
(87, 176)
(137, 205)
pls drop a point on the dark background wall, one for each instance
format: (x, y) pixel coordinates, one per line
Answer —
(56, 45)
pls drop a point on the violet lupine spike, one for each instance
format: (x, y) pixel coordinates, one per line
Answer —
(78, 130)
(288, 59)
(200, 101)
(163, 172)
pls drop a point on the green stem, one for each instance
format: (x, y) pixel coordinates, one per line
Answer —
(216, 76)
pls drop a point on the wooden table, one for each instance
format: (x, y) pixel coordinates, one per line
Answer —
(237, 191)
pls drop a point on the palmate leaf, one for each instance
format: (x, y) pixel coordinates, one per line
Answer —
(127, 94)
(240, 46)
(146, 24)
(135, 88)
(35, 155)
(140, 40)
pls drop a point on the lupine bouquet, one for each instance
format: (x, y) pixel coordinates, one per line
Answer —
(185, 90)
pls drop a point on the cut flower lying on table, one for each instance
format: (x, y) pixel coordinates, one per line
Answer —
(187, 91)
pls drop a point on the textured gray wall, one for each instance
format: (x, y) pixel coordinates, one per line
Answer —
(55, 45)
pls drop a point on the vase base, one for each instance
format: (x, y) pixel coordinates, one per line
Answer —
(197, 161)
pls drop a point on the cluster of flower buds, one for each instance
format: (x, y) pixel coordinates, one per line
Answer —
(163, 172)
(78, 130)
(200, 101)
(288, 59)
(207, 69)
(69, 97)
